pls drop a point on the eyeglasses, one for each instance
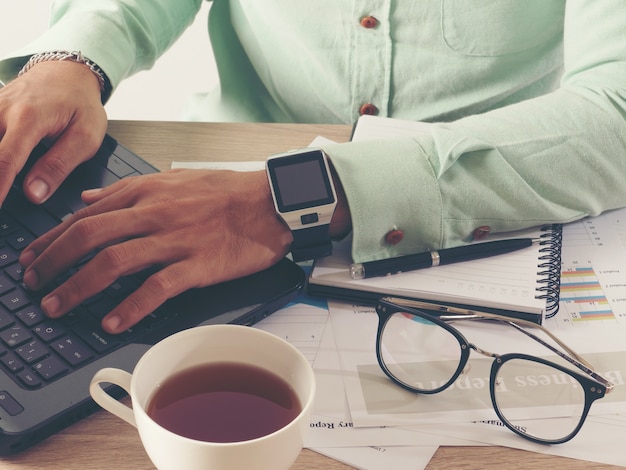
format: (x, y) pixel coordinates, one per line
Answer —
(419, 350)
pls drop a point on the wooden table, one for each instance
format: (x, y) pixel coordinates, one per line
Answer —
(103, 441)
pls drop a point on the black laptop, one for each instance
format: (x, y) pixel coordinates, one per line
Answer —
(46, 365)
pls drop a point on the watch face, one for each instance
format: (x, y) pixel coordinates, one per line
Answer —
(301, 180)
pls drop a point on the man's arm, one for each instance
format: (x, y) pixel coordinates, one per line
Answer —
(60, 101)
(558, 157)
(121, 36)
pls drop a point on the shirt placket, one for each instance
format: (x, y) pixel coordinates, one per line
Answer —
(371, 58)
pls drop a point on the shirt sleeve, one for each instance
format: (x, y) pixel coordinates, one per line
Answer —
(121, 36)
(555, 158)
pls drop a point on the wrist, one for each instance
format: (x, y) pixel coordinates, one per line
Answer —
(76, 57)
(341, 223)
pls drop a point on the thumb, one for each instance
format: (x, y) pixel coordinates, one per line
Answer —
(51, 169)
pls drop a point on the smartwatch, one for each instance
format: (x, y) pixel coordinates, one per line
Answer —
(304, 197)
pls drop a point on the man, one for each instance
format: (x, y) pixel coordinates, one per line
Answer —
(528, 101)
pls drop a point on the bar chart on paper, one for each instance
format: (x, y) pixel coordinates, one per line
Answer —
(593, 272)
(583, 296)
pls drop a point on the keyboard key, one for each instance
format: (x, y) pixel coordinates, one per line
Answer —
(15, 272)
(7, 256)
(122, 287)
(10, 404)
(50, 368)
(157, 317)
(6, 320)
(32, 352)
(73, 317)
(7, 224)
(11, 362)
(15, 300)
(92, 334)
(29, 379)
(49, 331)
(72, 350)
(119, 167)
(31, 315)
(15, 336)
(101, 308)
(93, 299)
(6, 284)
(20, 240)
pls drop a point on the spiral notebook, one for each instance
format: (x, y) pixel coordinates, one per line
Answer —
(523, 284)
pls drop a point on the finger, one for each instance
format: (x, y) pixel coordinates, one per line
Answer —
(15, 148)
(96, 195)
(91, 196)
(64, 246)
(110, 206)
(126, 192)
(76, 145)
(104, 269)
(161, 286)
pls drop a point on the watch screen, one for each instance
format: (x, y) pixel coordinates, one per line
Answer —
(300, 181)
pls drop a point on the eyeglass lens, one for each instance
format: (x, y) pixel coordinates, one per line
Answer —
(525, 388)
(419, 353)
(425, 356)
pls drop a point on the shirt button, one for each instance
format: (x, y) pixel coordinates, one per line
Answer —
(368, 108)
(369, 22)
(393, 237)
(481, 232)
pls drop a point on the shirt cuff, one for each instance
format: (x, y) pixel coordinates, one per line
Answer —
(389, 184)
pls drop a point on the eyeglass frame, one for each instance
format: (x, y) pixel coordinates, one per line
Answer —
(593, 384)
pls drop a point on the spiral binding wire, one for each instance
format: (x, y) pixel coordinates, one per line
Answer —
(550, 267)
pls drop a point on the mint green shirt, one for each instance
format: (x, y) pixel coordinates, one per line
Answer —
(528, 98)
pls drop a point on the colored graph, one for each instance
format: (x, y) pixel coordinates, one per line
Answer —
(583, 295)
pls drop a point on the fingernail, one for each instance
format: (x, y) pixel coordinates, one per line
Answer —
(39, 189)
(27, 257)
(30, 278)
(89, 192)
(111, 323)
(50, 305)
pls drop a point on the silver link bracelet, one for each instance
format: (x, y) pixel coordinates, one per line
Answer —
(74, 56)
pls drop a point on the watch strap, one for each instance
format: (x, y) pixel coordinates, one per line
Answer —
(311, 243)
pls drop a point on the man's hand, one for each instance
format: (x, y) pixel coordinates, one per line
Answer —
(56, 101)
(198, 227)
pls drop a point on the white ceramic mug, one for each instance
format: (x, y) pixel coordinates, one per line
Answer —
(202, 345)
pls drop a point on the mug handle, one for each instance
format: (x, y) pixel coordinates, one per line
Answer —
(117, 377)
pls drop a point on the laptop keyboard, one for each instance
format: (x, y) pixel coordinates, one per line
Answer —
(36, 350)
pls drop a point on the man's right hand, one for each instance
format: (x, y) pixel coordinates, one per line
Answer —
(56, 101)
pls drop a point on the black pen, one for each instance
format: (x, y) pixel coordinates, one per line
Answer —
(429, 259)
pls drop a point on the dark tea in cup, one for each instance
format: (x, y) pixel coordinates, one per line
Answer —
(224, 402)
(216, 396)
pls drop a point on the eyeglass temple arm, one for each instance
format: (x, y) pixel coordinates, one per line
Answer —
(456, 313)
(580, 364)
